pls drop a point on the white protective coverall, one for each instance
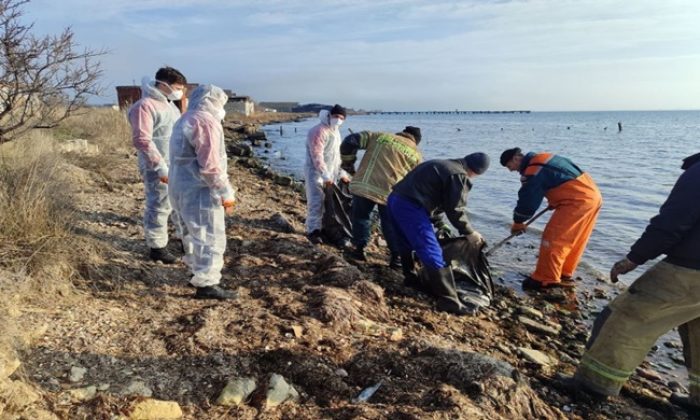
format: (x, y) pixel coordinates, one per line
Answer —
(322, 164)
(199, 182)
(152, 119)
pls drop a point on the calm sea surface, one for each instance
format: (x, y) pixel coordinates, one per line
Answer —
(635, 168)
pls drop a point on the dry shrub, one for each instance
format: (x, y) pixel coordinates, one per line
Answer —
(38, 215)
(108, 128)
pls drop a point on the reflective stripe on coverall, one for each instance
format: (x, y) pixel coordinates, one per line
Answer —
(199, 183)
(664, 297)
(152, 119)
(576, 206)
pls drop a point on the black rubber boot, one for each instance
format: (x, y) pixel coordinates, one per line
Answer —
(357, 254)
(683, 400)
(441, 284)
(215, 292)
(408, 267)
(162, 254)
(395, 262)
(315, 237)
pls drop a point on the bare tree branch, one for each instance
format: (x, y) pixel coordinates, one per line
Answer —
(42, 79)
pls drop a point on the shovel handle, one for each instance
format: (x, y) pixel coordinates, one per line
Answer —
(513, 235)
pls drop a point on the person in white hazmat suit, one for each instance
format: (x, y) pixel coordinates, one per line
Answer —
(152, 119)
(322, 167)
(200, 190)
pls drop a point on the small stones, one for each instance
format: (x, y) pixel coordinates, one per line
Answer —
(150, 409)
(297, 330)
(77, 374)
(535, 326)
(236, 392)
(138, 388)
(341, 372)
(536, 356)
(395, 334)
(649, 374)
(531, 312)
(279, 391)
(83, 394)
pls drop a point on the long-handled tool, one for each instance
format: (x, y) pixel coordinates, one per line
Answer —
(500, 244)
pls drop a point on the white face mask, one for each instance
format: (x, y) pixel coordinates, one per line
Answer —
(174, 95)
(336, 122)
(221, 114)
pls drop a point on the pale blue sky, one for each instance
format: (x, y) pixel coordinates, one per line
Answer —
(404, 54)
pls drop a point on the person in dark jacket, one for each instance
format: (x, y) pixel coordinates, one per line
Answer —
(431, 188)
(664, 297)
(576, 201)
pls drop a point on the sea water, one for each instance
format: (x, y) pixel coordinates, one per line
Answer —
(635, 168)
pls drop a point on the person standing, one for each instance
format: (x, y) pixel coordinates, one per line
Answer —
(322, 167)
(200, 190)
(432, 188)
(387, 159)
(666, 296)
(576, 201)
(152, 119)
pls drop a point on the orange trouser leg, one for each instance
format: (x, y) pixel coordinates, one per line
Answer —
(574, 258)
(589, 202)
(577, 203)
(555, 247)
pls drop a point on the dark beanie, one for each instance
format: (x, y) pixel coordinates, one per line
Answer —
(338, 110)
(508, 155)
(478, 162)
(414, 131)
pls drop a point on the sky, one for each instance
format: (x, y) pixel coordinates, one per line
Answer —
(556, 55)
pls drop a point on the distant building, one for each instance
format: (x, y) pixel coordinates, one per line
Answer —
(280, 106)
(240, 105)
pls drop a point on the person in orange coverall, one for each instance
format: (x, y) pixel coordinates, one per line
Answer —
(576, 201)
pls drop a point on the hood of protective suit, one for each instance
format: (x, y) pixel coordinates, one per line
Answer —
(325, 117)
(207, 98)
(149, 90)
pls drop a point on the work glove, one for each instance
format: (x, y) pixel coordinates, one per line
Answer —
(228, 206)
(476, 239)
(518, 228)
(443, 230)
(621, 267)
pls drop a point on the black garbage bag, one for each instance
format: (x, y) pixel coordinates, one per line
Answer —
(337, 227)
(471, 269)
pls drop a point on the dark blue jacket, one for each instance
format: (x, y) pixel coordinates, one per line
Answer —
(675, 231)
(541, 172)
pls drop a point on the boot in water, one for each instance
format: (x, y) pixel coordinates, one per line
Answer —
(215, 292)
(162, 255)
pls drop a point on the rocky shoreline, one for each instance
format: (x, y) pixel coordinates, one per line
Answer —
(311, 336)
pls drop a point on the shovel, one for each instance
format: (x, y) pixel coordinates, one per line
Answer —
(500, 244)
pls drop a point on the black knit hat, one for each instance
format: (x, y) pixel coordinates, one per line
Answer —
(478, 162)
(338, 110)
(414, 131)
(508, 155)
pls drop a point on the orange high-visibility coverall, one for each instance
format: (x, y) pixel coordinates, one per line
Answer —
(576, 202)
